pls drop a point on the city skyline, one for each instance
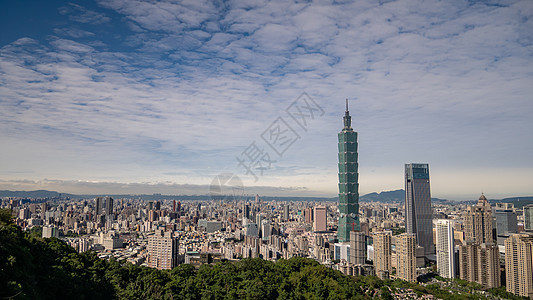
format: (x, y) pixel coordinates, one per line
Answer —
(108, 96)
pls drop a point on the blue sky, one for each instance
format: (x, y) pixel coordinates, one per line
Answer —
(161, 96)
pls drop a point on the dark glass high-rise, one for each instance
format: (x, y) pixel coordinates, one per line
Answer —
(418, 214)
(348, 181)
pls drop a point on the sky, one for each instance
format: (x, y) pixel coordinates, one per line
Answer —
(178, 97)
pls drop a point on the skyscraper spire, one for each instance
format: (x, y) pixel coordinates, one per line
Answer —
(347, 112)
(347, 118)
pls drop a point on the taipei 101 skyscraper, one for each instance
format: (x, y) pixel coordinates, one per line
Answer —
(348, 180)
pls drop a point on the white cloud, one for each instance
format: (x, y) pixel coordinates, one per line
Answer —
(197, 82)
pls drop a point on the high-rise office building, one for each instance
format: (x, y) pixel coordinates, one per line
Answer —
(406, 257)
(320, 218)
(357, 248)
(528, 218)
(506, 220)
(383, 254)
(418, 214)
(98, 206)
(108, 205)
(519, 264)
(445, 248)
(163, 250)
(348, 180)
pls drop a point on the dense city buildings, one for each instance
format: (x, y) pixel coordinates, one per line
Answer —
(406, 257)
(418, 213)
(348, 180)
(164, 232)
(445, 248)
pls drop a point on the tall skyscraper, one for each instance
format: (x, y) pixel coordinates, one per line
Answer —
(519, 265)
(163, 250)
(528, 218)
(383, 254)
(406, 257)
(98, 206)
(348, 180)
(320, 221)
(418, 214)
(445, 248)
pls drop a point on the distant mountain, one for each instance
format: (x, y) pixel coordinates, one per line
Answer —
(392, 196)
(33, 194)
(518, 202)
(387, 196)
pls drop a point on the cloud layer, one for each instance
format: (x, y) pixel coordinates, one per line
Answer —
(141, 91)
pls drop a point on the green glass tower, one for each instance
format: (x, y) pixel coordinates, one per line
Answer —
(348, 180)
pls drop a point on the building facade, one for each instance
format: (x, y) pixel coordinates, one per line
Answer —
(519, 265)
(479, 258)
(418, 214)
(478, 222)
(383, 254)
(348, 180)
(163, 249)
(357, 247)
(320, 218)
(406, 257)
(445, 248)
